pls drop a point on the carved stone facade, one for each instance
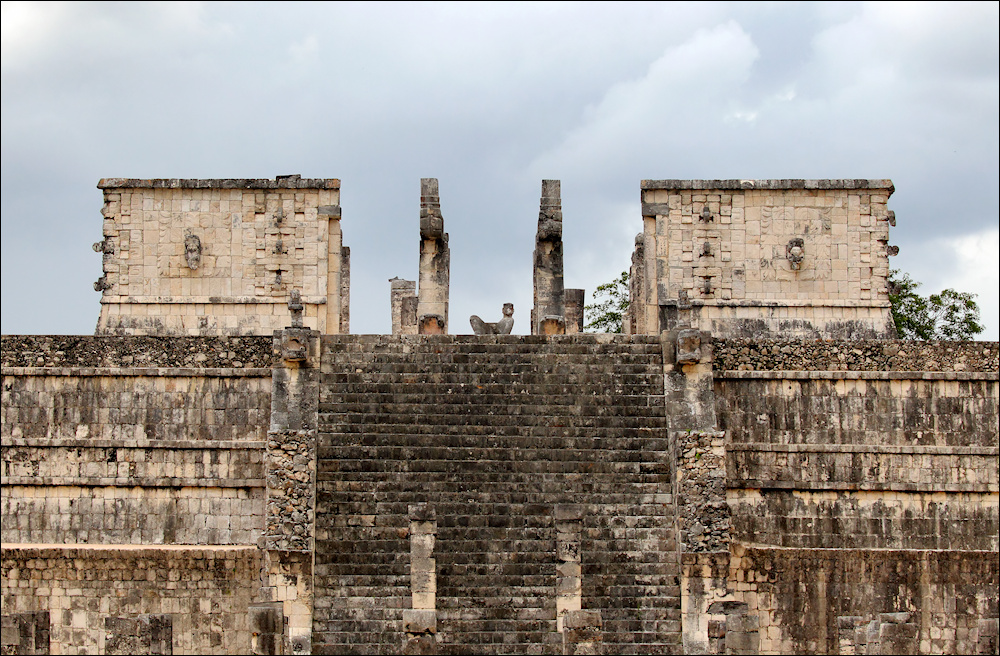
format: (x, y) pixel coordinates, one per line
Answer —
(763, 258)
(220, 257)
(670, 492)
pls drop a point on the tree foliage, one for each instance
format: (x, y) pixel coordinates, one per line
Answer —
(949, 315)
(609, 306)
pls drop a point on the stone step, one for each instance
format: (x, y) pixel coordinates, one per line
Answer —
(529, 509)
(644, 438)
(605, 362)
(625, 357)
(488, 458)
(360, 384)
(428, 485)
(505, 423)
(499, 372)
(534, 343)
(487, 395)
(449, 461)
(455, 384)
(428, 406)
(561, 430)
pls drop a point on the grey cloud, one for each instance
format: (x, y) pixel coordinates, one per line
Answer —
(490, 99)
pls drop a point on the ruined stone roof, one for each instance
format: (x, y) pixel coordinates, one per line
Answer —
(769, 184)
(279, 182)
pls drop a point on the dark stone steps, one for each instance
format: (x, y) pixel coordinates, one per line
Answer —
(494, 433)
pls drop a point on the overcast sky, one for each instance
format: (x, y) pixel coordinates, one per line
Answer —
(491, 99)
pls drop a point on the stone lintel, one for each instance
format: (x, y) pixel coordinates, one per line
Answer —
(280, 182)
(129, 443)
(788, 374)
(208, 300)
(151, 372)
(665, 301)
(774, 184)
(912, 449)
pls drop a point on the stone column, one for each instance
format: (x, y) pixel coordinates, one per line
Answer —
(420, 621)
(574, 300)
(290, 468)
(435, 263)
(335, 273)
(549, 314)
(345, 290)
(403, 304)
(581, 629)
(689, 390)
(635, 319)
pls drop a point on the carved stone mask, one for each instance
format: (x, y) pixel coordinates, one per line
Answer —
(192, 250)
(795, 251)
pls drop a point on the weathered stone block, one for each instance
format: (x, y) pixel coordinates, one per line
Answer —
(420, 621)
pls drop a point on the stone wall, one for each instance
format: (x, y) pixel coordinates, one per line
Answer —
(863, 489)
(94, 595)
(796, 258)
(803, 598)
(211, 257)
(735, 354)
(167, 448)
(702, 511)
(863, 459)
(568, 494)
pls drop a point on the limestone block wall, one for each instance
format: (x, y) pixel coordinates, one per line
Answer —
(862, 483)
(220, 257)
(93, 593)
(804, 258)
(167, 452)
(942, 602)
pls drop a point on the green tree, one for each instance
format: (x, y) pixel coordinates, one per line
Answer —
(949, 315)
(609, 306)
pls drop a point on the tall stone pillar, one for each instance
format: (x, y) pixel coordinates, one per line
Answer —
(435, 263)
(548, 317)
(284, 610)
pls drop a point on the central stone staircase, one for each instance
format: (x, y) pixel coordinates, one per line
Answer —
(496, 436)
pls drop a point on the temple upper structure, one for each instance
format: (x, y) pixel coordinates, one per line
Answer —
(221, 257)
(763, 258)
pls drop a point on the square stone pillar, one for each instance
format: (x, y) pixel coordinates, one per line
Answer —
(435, 263)
(548, 317)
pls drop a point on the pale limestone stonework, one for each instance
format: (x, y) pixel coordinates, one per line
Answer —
(795, 258)
(220, 257)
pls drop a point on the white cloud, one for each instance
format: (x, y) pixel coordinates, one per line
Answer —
(977, 263)
(966, 263)
(693, 80)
